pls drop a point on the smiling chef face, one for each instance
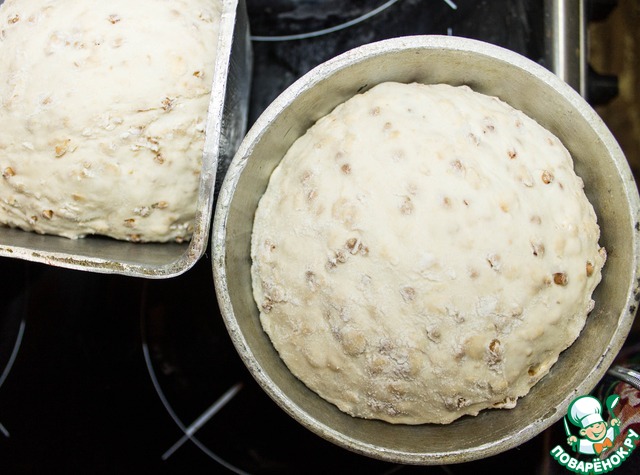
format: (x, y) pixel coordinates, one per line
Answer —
(586, 413)
(595, 432)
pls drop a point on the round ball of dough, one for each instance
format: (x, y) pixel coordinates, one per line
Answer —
(424, 252)
(102, 113)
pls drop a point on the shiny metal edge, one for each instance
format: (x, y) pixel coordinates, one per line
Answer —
(516, 436)
(628, 375)
(565, 41)
(226, 124)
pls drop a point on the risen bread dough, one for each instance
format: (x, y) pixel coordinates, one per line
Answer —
(102, 113)
(424, 252)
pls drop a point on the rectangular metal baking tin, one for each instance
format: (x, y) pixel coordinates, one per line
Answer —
(226, 124)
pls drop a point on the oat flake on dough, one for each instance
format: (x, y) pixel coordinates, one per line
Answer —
(423, 253)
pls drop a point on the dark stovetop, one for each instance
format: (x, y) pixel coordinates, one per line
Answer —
(103, 373)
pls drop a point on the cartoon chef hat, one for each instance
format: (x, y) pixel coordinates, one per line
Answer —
(584, 411)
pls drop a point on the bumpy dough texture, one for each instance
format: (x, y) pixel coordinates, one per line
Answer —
(102, 113)
(424, 252)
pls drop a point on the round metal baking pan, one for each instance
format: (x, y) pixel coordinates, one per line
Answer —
(491, 70)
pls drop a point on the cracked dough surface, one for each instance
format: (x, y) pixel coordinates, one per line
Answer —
(423, 253)
(102, 114)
